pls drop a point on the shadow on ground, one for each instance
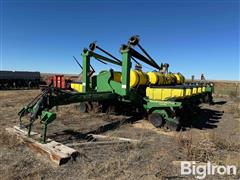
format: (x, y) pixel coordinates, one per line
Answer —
(201, 119)
(204, 119)
(69, 135)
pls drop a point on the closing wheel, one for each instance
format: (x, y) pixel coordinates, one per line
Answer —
(111, 110)
(83, 107)
(156, 119)
(174, 125)
(206, 98)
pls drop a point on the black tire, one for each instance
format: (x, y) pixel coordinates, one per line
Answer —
(174, 126)
(111, 110)
(89, 106)
(156, 119)
(83, 107)
(208, 98)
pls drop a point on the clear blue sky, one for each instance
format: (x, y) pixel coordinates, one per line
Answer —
(194, 37)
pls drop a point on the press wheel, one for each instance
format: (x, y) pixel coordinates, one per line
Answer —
(174, 125)
(83, 107)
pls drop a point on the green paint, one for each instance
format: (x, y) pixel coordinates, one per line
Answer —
(162, 104)
(86, 70)
(46, 118)
(126, 66)
(103, 79)
(209, 88)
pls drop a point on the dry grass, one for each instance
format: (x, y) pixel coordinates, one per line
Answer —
(230, 89)
(227, 143)
(202, 150)
(211, 148)
(9, 141)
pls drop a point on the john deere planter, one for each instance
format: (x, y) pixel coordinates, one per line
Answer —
(160, 95)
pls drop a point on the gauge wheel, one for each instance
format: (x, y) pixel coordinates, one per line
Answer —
(156, 119)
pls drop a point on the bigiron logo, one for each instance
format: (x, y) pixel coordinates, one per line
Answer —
(200, 171)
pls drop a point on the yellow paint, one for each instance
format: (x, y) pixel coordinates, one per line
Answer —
(194, 90)
(153, 77)
(156, 78)
(199, 90)
(77, 87)
(180, 79)
(204, 89)
(164, 93)
(188, 92)
(138, 78)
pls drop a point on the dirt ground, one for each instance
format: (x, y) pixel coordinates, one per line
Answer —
(214, 136)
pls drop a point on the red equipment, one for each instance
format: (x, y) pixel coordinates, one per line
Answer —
(59, 81)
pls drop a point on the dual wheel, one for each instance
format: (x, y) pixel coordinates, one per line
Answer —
(155, 118)
(158, 121)
(86, 107)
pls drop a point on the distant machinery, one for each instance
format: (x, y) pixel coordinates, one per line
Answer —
(19, 79)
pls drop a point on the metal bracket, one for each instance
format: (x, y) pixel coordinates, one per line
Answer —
(46, 118)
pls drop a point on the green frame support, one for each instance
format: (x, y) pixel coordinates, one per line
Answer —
(210, 88)
(86, 69)
(46, 118)
(86, 57)
(151, 104)
(126, 67)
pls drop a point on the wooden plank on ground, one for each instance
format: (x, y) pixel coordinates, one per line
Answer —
(104, 140)
(56, 152)
(98, 143)
(98, 136)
